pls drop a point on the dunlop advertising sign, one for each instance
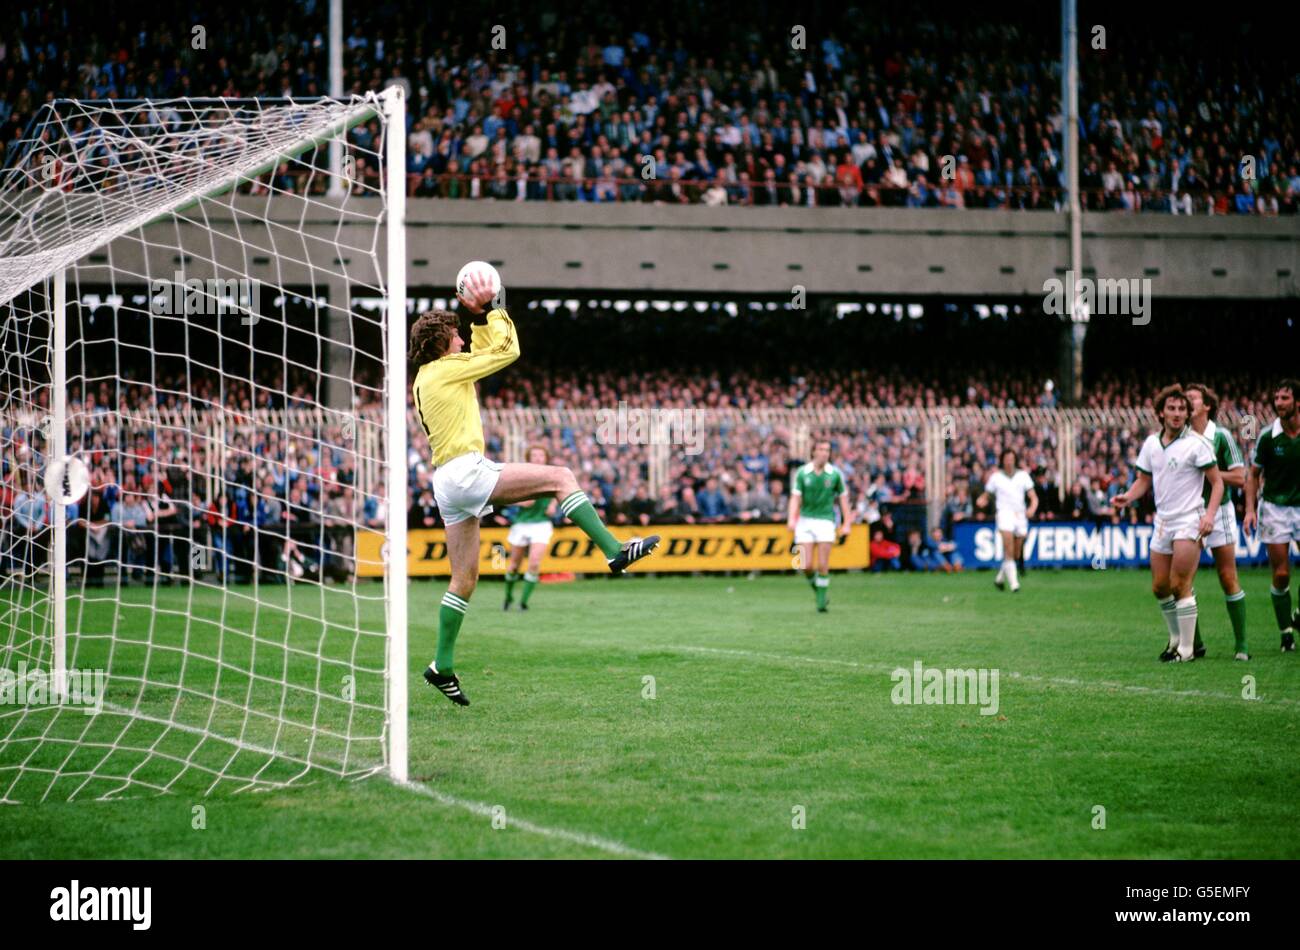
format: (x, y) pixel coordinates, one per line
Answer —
(685, 547)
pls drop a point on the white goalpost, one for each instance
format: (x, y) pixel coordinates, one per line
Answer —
(203, 446)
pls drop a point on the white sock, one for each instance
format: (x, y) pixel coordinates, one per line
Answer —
(1002, 570)
(1186, 609)
(1168, 611)
(1011, 574)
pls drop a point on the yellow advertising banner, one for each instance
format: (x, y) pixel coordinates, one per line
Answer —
(685, 547)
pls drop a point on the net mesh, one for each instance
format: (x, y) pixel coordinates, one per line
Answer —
(219, 391)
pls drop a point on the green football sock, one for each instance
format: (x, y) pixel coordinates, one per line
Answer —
(578, 509)
(1237, 614)
(1281, 606)
(450, 616)
(530, 581)
(812, 580)
(510, 585)
(823, 585)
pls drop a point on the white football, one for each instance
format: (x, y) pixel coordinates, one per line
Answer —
(479, 267)
(67, 480)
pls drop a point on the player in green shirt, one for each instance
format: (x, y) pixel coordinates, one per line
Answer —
(530, 533)
(1222, 541)
(815, 488)
(1277, 465)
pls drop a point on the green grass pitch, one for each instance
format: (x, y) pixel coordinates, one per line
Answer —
(762, 710)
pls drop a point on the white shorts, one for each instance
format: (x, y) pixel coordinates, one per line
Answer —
(462, 487)
(1013, 521)
(526, 533)
(814, 530)
(1278, 524)
(1184, 527)
(1225, 528)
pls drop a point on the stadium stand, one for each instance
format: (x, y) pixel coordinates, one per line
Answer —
(685, 109)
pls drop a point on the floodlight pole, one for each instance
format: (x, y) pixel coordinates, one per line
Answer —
(1076, 329)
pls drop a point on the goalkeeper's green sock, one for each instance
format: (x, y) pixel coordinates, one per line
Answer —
(450, 616)
(510, 585)
(530, 581)
(822, 588)
(812, 581)
(578, 509)
(1281, 606)
(1237, 614)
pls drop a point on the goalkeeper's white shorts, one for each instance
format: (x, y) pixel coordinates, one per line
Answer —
(814, 530)
(526, 533)
(462, 487)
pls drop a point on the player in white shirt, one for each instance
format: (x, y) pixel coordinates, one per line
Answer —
(1009, 486)
(1178, 463)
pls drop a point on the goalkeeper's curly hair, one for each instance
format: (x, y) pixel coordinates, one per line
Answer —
(431, 337)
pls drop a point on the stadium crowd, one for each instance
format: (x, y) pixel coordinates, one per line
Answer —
(261, 479)
(285, 499)
(905, 105)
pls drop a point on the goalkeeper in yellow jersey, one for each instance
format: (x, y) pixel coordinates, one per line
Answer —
(466, 486)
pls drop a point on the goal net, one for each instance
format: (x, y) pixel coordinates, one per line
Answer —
(196, 429)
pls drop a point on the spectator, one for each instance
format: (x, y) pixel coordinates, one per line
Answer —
(32, 517)
(885, 553)
(668, 509)
(133, 532)
(948, 559)
(641, 509)
(716, 195)
(1097, 510)
(423, 513)
(710, 503)
(919, 554)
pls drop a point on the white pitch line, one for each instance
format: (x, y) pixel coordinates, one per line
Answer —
(607, 845)
(1026, 677)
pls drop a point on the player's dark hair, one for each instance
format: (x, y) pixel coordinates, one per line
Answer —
(1208, 396)
(1291, 384)
(431, 337)
(825, 442)
(1014, 454)
(1169, 392)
